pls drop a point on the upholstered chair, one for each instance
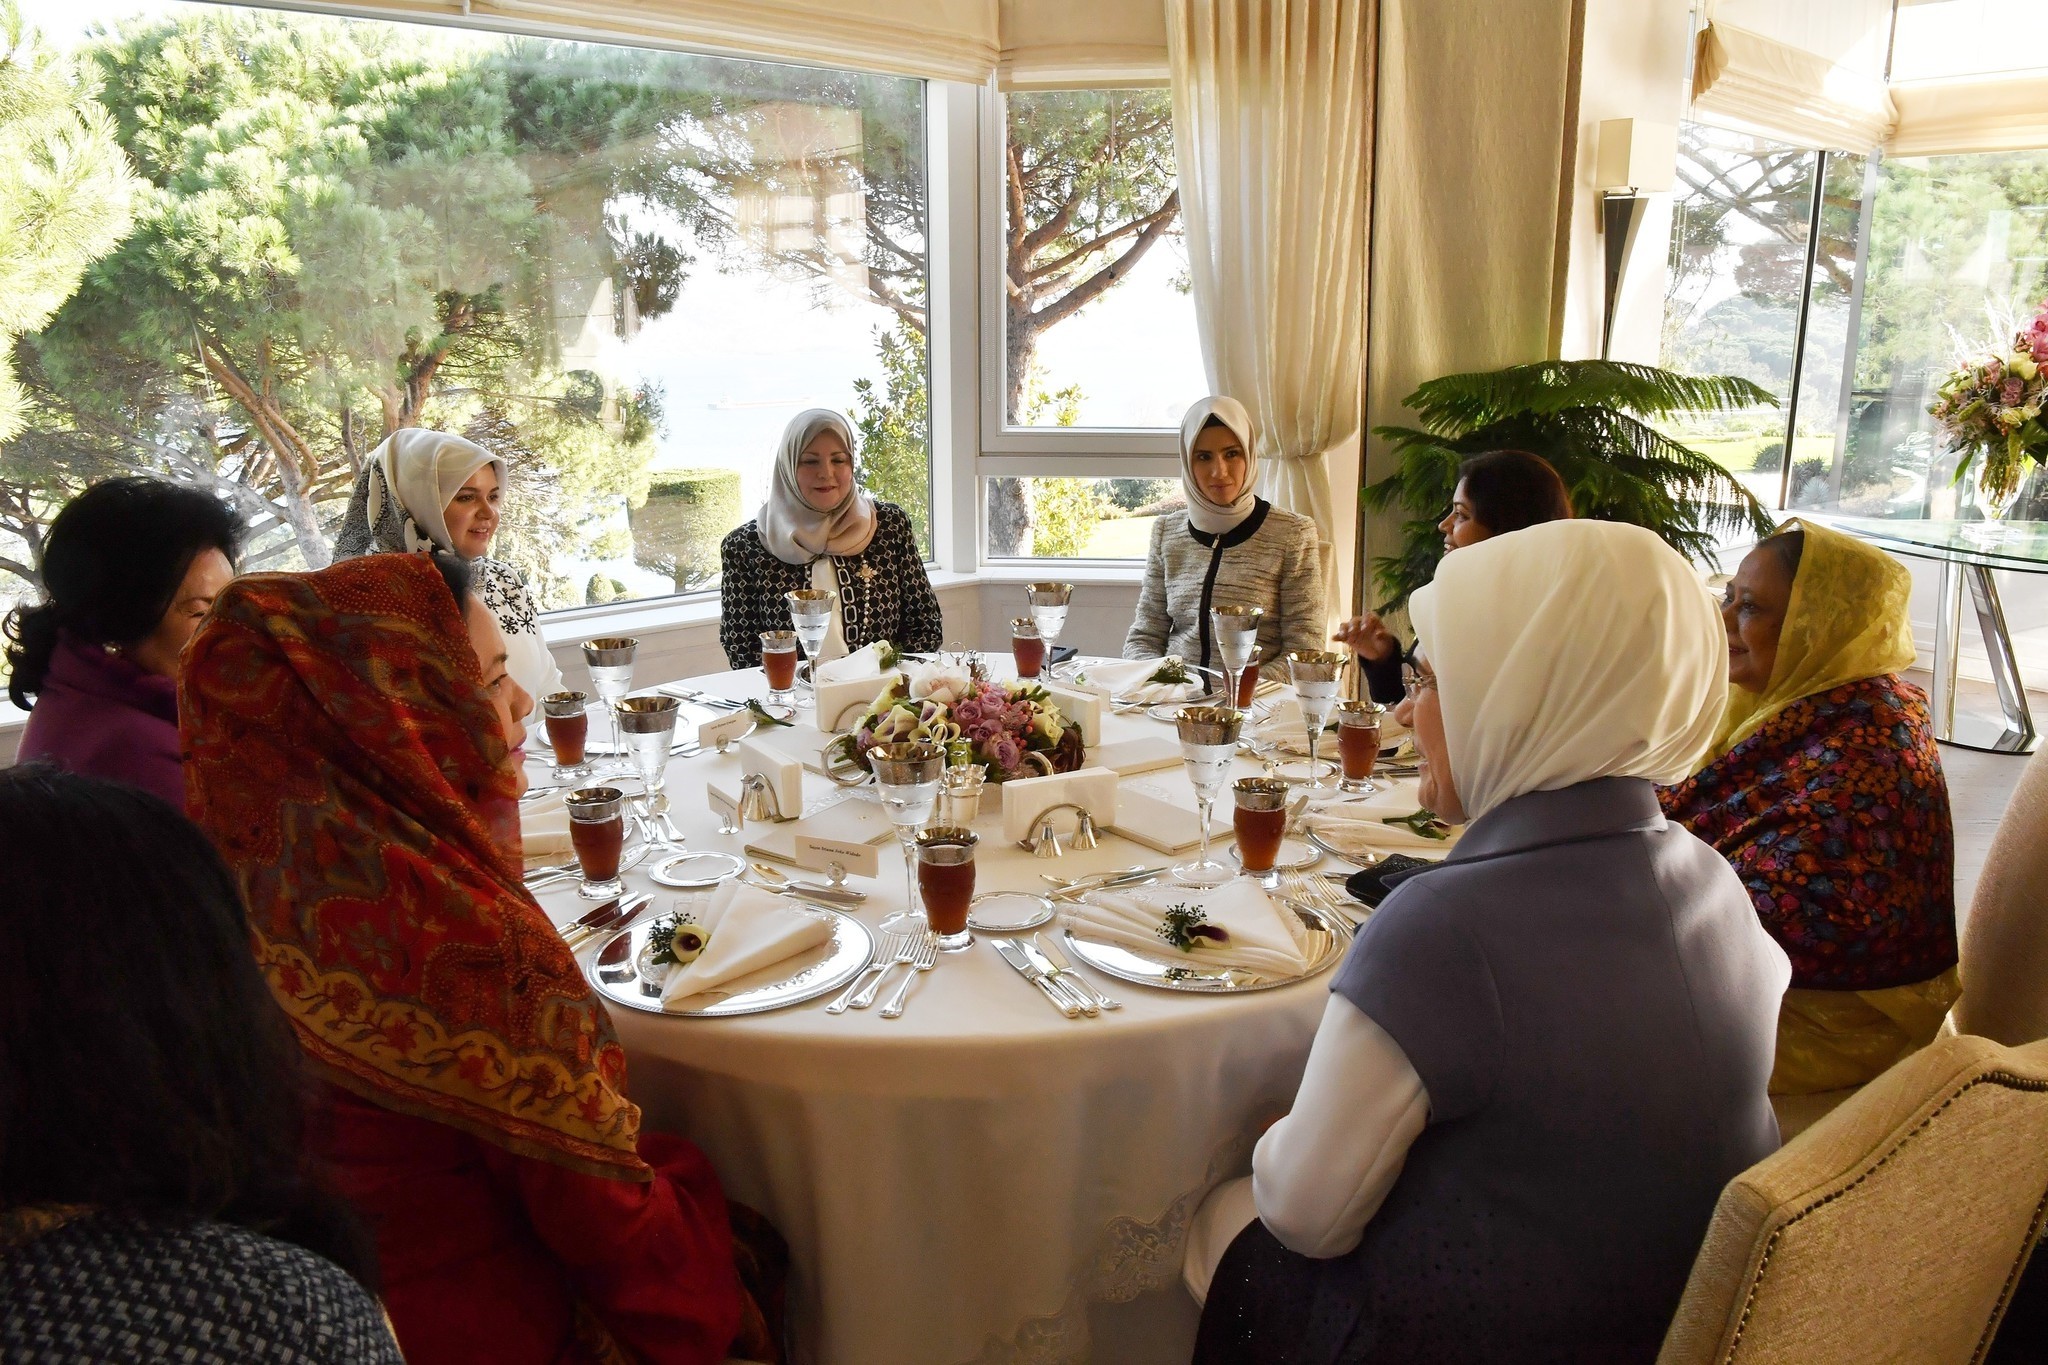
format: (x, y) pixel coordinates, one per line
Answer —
(1894, 1229)
(2005, 937)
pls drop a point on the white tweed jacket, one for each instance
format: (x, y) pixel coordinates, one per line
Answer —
(1270, 560)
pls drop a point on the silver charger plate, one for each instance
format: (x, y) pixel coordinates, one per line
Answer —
(805, 977)
(1327, 932)
(695, 871)
(1295, 854)
(1008, 912)
(1358, 858)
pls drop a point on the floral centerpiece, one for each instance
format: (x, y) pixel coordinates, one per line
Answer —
(1989, 411)
(1013, 728)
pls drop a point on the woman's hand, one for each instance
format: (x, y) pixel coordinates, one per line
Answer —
(1368, 637)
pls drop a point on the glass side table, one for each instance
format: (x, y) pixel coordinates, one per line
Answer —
(1963, 560)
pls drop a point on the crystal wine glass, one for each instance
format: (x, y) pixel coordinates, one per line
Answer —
(610, 660)
(1236, 631)
(650, 727)
(1314, 674)
(908, 774)
(810, 610)
(1208, 744)
(1049, 602)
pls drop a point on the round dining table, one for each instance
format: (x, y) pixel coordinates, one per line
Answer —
(981, 1179)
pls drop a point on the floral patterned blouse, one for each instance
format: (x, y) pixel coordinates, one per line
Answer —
(1835, 814)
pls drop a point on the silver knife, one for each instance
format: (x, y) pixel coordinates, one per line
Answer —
(627, 910)
(1015, 958)
(1060, 983)
(1109, 884)
(1065, 969)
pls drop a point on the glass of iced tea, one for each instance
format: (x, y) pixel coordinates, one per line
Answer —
(1358, 744)
(1248, 679)
(597, 831)
(778, 661)
(1260, 821)
(945, 880)
(567, 716)
(1027, 647)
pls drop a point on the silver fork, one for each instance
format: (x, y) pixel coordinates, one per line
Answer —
(927, 956)
(906, 950)
(885, 958)
(1068, 975)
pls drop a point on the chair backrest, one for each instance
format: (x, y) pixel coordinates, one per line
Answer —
(1891, 1230)
(2005, 937)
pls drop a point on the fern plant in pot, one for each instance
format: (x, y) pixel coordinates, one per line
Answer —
(1590, 419)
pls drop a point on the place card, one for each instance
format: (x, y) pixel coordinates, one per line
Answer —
(1026, 799)
(725, 729)
(841, 704)
(1082, 708)
(1155, 822)
(818, 852)
(785, 775)
(1141, 754)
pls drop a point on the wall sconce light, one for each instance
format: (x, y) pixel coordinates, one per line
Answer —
(1636, 159)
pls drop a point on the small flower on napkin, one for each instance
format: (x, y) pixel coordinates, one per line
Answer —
(746, 929)
(1185, 929)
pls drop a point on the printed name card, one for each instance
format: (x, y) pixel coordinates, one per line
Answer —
(1027, 799)
(841, 704)
(785, 775)
(816, 852)
(713, 734)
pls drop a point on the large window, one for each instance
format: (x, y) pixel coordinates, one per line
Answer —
(624, 269)
(1094, 348)
(1916, 263)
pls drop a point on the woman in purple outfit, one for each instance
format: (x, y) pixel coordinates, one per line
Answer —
(129, 568)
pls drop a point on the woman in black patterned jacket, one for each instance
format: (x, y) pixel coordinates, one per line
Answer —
(862, 549)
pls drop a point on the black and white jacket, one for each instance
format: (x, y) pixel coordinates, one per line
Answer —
(1271, 559)
(884, 593)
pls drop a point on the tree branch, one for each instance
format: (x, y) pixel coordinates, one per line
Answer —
(1086, 292)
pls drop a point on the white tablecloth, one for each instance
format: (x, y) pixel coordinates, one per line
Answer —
(974, 1180)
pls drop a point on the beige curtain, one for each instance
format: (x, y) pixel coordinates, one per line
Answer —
(1273, 126)
(2004, 114)
(1062, 44)
(1812, 74)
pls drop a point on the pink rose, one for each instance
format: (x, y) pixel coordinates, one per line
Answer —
(2014, 392)
(1006, 752)
(968, 713)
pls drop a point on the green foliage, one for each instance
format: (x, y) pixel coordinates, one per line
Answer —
(677, 531)
(65, 191)
(893, 427)
(1585, 418)
(1132, 494)
(1064, 511)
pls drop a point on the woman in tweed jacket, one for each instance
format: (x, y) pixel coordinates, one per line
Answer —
(1229, 548)
(863, 549)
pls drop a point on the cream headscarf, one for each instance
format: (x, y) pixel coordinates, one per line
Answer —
(401, 498)
(1205, 516)
(1847, 619)
(1570, 651)
(796, 532)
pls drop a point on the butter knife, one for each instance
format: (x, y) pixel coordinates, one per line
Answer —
(1065, 968)
(1065, 987)
(1015, 958)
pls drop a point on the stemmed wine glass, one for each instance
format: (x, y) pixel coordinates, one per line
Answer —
(908, 775)
(650, 727)
(1208, 744)
(810, 610)
(610, 660)
(1237, 634)
(1049, 602)
(1314, 673)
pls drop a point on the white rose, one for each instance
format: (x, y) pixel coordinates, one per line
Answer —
(942, 683)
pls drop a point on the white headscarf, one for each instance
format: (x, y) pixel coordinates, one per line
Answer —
(402, 496)
(1570, 651)
(796, 532)
(1208, 517)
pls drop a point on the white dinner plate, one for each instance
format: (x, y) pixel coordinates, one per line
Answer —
(793, 981)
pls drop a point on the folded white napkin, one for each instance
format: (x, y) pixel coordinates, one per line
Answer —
(544, 827)
(748, 929)
(1265, 938)
(1361, 829)
(865, 662)
(1124, 679)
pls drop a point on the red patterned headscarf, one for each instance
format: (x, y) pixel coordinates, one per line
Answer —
(343, 757)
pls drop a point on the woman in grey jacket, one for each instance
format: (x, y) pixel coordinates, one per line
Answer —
(1229, 548)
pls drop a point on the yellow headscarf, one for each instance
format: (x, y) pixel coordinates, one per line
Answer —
(1847, 620)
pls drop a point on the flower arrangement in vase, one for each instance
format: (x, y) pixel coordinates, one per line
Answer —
(1989, 411)
(1012, 728)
